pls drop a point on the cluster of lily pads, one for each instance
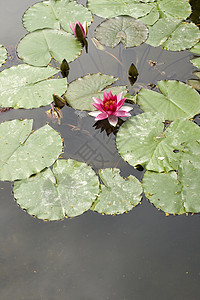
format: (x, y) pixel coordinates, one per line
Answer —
(163, 139)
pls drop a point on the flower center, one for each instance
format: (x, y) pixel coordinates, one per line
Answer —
(109, 104)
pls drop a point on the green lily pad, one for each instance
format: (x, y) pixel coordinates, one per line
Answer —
(174, 192)
(151, 17)
(3, 55)
(81, 91)
(196, 49)
(117, 195)
(54, 14)
(123, 29)
(143, 140)
(24, 86)
(113, 8)
(179, 9)
(196, 62)
(173, 34)
(67, 191)
(195, 83)
(177, 100)
(38, 47)
(23, 153)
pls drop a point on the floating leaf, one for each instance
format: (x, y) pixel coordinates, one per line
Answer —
(149, 11)
(179, 9)
(54, 14)
(81, 91)
(195, 83)
(142, 140)
(23, 153)
(177, 100)
(151, 17)
(117, 194)
(67, 191)
(113, 8)
(123, 29)
(173, 34)
(38, 47)
(174, 192)
(196, 62)
(196, 49)
(3, 55)
(25, 86)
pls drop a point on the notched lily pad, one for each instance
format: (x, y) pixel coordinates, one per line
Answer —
(142, 140)
(122, 29)
(175, 192)
(23, 153)
(195, 83)
(81, 91)
(24, 86)
(177, 100)
(172, 34)
(67, 191)
(196, 62)
(3, 55)
(196, 49)
(37, 48)
(54, 14)
(113, 8)
(117, 195)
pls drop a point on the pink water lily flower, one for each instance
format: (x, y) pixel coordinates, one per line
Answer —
(110, 107)
(82, 27)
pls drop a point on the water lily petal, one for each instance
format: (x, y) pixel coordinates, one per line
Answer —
(119, 97)
(97, 100)
(82, 29)
(105, 96)
(113, 120)
(85, 27)
(101, 116)
(73, 26)
(127, 108)
(99, 107)
(94, 113)
(122, 113)
(120, 103)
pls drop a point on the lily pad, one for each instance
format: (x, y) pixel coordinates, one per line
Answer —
(196, 62)
(37, 48)
(151, 17)
(196, 49)
(113, 8)
(81, 91)
(54, 14)
(117, 195)
(24, 86)
(67, 191)
(174, 192)
(123, 29)
(179, 9)
(173, 34)
(177, 100)
(195, 83)
(23, 153)
(143, 140)
(3, 55)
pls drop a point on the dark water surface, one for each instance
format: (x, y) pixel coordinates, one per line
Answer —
(136, 256)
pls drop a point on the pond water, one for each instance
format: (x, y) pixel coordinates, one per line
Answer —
(139, 255)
